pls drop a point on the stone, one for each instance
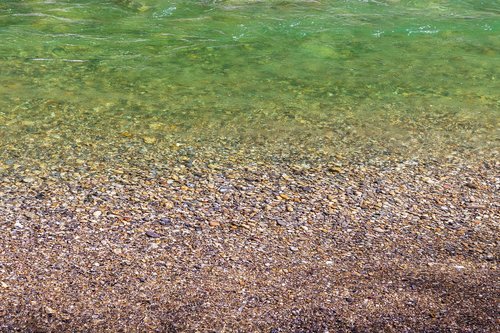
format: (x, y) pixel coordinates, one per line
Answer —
(214, 223)
(149, 140)
(471, 186)
(97, 214)
(49, 310)
(152, 234)
(335, 169)
(165, 221)
(377, 229)
(281, 223)
(153, 246)
(294, 248)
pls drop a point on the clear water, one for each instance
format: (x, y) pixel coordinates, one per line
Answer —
(127, 69)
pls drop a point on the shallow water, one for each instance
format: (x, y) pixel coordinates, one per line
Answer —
(76, 71)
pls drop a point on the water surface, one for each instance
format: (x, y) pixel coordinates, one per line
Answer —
(144, 70)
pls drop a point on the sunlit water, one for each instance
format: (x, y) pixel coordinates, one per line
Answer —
(86, 70)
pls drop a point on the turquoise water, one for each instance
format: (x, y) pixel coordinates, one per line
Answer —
(137, 67)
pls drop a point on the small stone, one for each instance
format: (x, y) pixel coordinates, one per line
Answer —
(49, 310)
(459, 267)
(307, 189)
(97, 214)
(289, 208)
(428, 180)
(27, 123)
(117, 251)
(165, 221)
(223, 189)
(152, 234)
(294, 249)
(377, 229)
(214, 224)
(329, 263)
(281, 223)
(335, 169)
(4, 285)
(471, 185)
(28, 180)
(18, 225)
(156, 126)
(168, 204)
(149, 140)
(153, 246)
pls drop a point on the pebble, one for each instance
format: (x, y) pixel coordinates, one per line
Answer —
(281, 223)
(149, 140)
(335, 169)
(49, 310)
(153, 246)
(28, 180)
(97, 214)
(152, 234)
(214, 223)
(165, 221)
(377, 229)
(294, 249)
(284, 196)
(471, 185)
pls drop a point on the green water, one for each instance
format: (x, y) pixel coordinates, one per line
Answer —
(125, 69)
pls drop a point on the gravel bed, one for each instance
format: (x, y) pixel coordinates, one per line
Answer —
(178, 238)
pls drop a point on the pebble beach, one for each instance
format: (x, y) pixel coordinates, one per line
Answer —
(281, 166)
(156, 233)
